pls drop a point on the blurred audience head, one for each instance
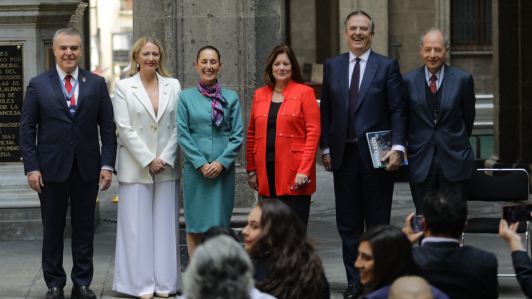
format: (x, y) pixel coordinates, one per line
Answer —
(384, 254)
(272, 226)
(216, 231)
(445, 214)
(410, 287)
(276, 235)
(219, 269)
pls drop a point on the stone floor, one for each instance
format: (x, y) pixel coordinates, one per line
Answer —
(20, 262)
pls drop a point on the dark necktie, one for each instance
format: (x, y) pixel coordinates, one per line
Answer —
(353, 100)
(68, 87)
(433, 84)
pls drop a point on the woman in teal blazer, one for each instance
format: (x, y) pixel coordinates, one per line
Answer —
(210, 132)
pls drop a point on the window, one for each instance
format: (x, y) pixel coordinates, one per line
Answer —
(126, 5)
(122, 44)
(471, 25)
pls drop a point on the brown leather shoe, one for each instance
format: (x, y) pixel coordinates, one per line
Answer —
(82, 292)
(54, 293)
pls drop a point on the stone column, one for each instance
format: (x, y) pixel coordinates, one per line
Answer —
(303, 30)
(512, 117)
(31, 23)
(525, 88)
(378, 10)
(244, 31)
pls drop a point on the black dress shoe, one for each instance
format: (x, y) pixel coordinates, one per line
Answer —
(82, 293)
(54, 293)
(353, 290)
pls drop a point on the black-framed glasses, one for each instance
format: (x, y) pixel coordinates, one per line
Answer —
(295, 187)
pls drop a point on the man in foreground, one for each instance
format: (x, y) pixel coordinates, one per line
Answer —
(410, 287)
(461, 272)
(63, 109)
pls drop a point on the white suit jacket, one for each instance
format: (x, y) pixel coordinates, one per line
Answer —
(142, 136)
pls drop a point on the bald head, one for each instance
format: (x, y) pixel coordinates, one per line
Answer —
(410, 287)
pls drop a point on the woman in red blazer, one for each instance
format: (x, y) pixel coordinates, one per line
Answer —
(283, 134)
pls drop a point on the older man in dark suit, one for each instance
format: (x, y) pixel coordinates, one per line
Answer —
(362, 92)
(63, 109)
(440, 102)
(461, 272)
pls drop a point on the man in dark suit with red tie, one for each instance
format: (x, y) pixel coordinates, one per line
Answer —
(440, 102)
(362, 92)
(63, 109)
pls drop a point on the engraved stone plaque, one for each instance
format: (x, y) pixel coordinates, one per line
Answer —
(11, 98)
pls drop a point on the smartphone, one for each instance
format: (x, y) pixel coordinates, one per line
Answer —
(417, 224)
(518, 212)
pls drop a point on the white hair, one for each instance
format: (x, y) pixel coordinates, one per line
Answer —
(219, 269)
(445, 37)
(68, 32)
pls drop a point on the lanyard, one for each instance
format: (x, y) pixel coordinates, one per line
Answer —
(67, 95)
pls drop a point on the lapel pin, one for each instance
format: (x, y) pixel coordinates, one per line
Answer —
(165, 93)
(84, 80)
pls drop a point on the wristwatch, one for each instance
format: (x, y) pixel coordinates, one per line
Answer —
(252, 173)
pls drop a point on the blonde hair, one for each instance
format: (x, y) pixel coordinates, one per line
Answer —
(136, 50)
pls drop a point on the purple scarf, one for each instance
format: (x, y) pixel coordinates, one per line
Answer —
(215, 93)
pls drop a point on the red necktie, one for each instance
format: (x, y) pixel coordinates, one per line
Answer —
(432, 84)
(68, 87)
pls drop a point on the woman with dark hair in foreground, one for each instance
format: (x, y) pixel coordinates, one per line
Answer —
(287, 265)
(385, 254)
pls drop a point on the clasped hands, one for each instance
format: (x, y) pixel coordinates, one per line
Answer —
(157, 166)
(211, 170)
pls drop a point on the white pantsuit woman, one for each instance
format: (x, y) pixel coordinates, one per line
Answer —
(147, 245)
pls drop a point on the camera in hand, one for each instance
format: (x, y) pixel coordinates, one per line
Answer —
(515, 213)
(417, 224)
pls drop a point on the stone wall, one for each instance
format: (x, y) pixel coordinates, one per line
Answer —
(244, 31)
(480, 66)
(408, 19)
(303, 30)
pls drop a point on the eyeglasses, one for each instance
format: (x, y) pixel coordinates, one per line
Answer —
(295, 187)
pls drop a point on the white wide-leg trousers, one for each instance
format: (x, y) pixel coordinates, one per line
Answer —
(147, 239)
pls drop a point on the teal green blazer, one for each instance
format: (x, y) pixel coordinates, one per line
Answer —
(199, 139)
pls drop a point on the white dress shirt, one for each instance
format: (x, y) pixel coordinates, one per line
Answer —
(438, 240)
(74, 76)
(439, 76)
(363, 62)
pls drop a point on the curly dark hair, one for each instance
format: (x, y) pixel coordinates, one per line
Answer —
(445, 213)
(392, 256)
(295, 270)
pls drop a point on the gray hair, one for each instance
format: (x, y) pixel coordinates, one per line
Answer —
(219, 269)
(445, 37)
(69, 32)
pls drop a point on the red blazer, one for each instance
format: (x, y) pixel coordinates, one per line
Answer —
(298, 135)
